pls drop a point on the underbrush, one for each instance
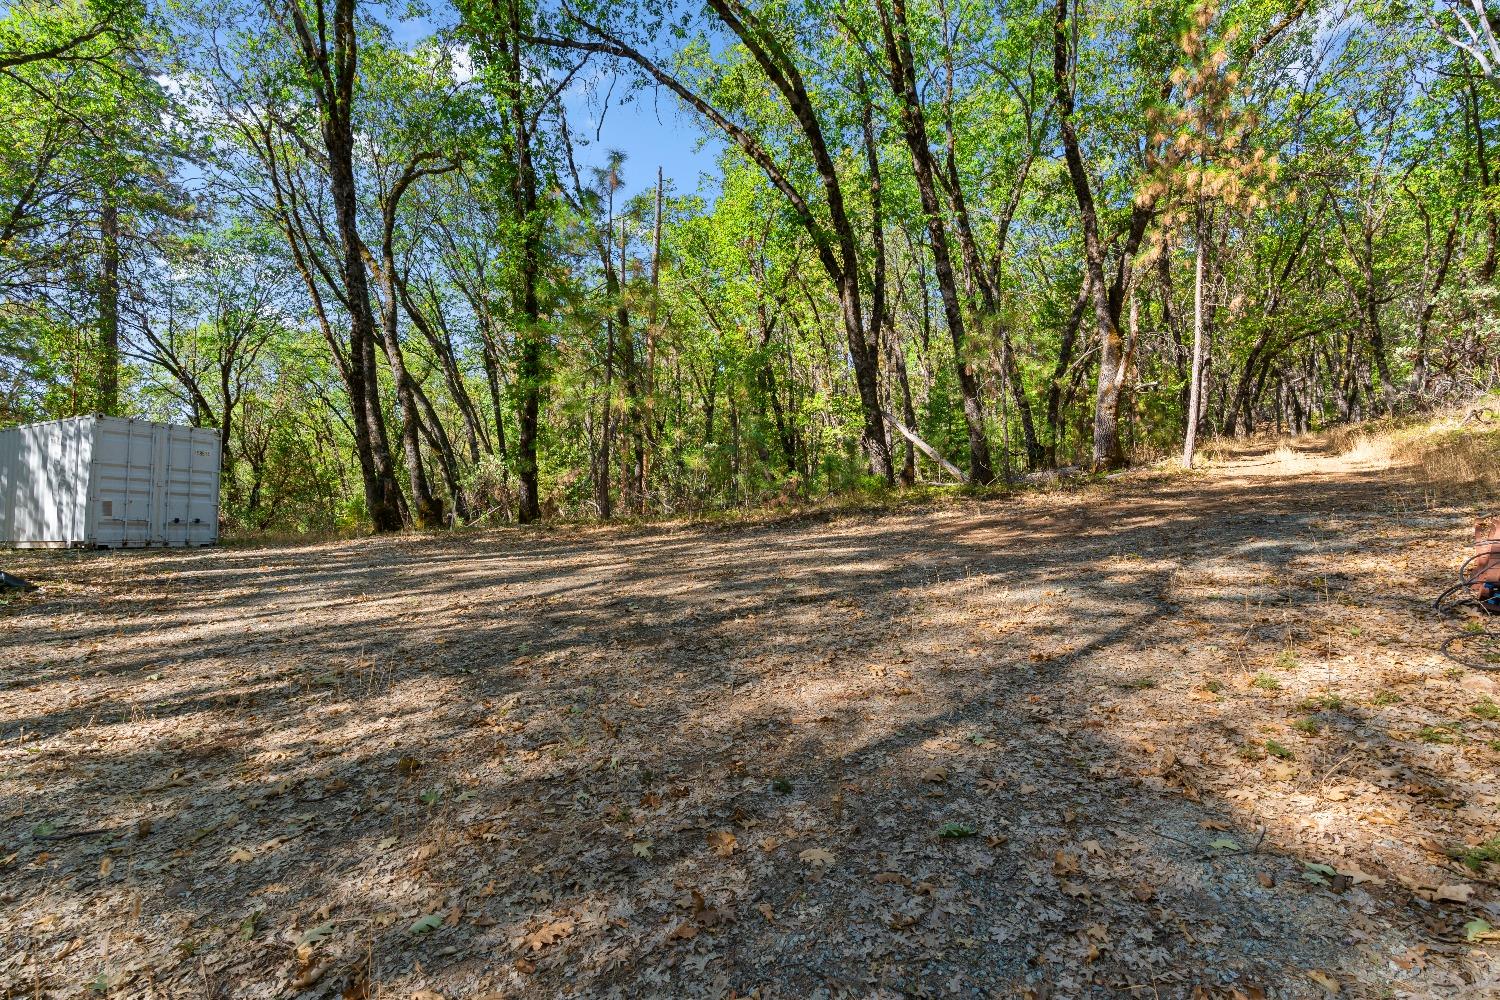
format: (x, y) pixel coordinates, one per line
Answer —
(1450, 457)
(241, 538)
(1453, 457)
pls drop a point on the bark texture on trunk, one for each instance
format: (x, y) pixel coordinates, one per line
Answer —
(109, 306)
(901, 71)
(333, 72)
(1195, 379)
(1109, 453)
(530, 370)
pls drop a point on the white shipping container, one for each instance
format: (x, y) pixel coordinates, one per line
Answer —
(107, 482)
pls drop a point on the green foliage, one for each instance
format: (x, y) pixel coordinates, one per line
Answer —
(1481, 856)
(1278, 750)
(956, 831)
(1337, 168)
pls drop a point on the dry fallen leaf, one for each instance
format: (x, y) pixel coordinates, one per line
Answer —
(309, 975)
(1358, 876)
(1448, 893)
(548, 934)
(723, 842)
(817, 856)
(1327, 982)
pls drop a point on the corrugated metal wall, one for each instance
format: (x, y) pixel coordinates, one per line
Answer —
(44, 482)
(109, 482)
(154, 484)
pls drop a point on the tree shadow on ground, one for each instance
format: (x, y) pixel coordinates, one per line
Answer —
(936, 754)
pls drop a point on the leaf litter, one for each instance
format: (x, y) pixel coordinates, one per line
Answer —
(998, 748)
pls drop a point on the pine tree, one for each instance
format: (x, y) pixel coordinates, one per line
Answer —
(1201, 162)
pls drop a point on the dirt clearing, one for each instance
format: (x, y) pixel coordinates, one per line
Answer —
(1178, 736)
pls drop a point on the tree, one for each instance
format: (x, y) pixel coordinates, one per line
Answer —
(1207, 162)
(833, 235)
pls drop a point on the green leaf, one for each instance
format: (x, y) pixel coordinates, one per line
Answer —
(953, 831)
(427, 924)
(316, 934)
(1224, 844)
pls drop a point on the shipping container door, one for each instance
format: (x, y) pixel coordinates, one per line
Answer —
(126, 485)
(203, 487)
(177, 495)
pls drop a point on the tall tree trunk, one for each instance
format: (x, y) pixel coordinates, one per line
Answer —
(429, 508)
(1108, 450)
(437, 437)
(334, 73)
(606, 427)
(1378, 352)
(109, 306)
(497, 405)
(908, 411)
(632, 463)
(1065, 348)
(1491, 214)
(987, 279)
(652, 332)
(438, 337)
(902, 74)
(1195, 382)
(1430, 295)
(530, 368)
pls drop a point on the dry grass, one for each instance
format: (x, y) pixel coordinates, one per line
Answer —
(1449, 459)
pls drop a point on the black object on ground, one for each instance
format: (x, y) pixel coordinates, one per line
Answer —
(8, 582)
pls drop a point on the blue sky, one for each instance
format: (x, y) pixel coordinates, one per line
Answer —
(651, 127)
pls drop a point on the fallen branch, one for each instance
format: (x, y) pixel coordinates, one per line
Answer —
(927, 449)
(70, 834)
